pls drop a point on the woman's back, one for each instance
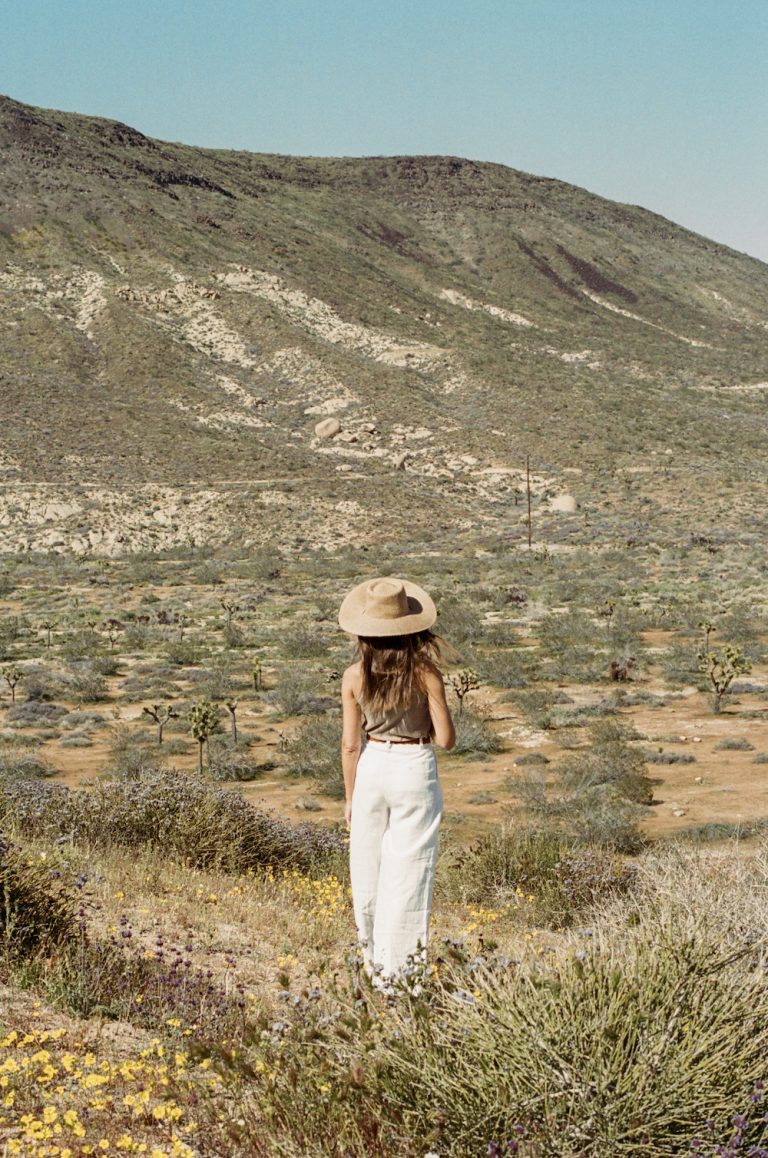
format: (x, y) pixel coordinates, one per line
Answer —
(409, 722)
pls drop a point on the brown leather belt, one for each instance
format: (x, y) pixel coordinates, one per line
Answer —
(381, 740)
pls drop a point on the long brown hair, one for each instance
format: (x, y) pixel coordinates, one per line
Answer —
(393, 668)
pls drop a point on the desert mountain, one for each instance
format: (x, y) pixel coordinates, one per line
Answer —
(177, 322)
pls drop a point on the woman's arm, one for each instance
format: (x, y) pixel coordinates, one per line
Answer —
(443, 731)
(350, 737)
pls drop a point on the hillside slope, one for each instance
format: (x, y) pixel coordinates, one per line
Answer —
(178, 320)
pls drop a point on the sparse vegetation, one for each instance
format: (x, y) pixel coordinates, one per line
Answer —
(592, 985)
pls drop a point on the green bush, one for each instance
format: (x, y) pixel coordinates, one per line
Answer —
(183, 653)
(572, 644)
(180, 813)
(562, 878)
(734, 744)
(503, 669)
(228, 763)
(37, 911)
(315, 751)
(86, 684)
(475, 735)
(304, 641)
(15, 765)
(297, 693)
(625, 1052)
(669, 758)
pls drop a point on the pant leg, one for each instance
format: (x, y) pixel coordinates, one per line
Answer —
(370, 817)
(408, 858)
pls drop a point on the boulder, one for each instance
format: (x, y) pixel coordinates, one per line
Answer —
(328, 428)
(566, 504)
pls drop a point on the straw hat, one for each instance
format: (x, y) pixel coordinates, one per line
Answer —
(387, 606)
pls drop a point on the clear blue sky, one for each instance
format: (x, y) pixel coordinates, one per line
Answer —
(662, 103)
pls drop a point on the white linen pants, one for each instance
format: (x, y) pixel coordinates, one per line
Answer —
(397, 804)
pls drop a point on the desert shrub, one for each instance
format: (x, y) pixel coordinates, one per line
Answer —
(183, 653)
(734, 744)
(214, 683)
(82, 720)
(680, 664)
(261, 563)
(82, 644)
(11, 631)
(531, 758)
(537, 706)
(20, 765)
(153, 685)
(304, 641)
(137, 636)
(298, 692)
(86, 684)
(227, 763)
(475, 735)
(760, 758)
(570, 642)
(669, 757)
(134, 763)
(481, 798)
(315, 751)
(503, 669)
(609, 761)
(234, 636)
(562, 877)
(206, 574)
(602, 817)
(36, 714)
(458, 622)
(720, 830)
(587, 713)
(500, 633)
(180, 813)
(600, 1037)
(744, 626)
(40, 683)
(37, 910)
(105, 665)
(76, 741)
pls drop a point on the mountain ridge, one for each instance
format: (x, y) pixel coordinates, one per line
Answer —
(175, 314)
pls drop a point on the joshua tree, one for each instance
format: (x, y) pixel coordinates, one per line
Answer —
(231, 706)
(606, 612)
(12, 675)
(707, 628)
(204, 721)
(229, 611)
(113, 627)
(721, 668)
(161, 716)
(463, 682)
(47, 626)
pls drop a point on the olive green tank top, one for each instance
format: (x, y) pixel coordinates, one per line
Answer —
(414, 723)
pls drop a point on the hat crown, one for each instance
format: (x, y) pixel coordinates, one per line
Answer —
(386, 599)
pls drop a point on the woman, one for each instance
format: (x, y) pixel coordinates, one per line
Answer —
(394, 709)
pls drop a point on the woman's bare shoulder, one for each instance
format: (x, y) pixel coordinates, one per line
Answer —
(352, 677)
(432, 676)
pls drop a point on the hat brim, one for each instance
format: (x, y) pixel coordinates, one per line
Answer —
(422, 613)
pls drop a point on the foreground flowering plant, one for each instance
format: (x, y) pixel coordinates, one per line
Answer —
(59, 1099)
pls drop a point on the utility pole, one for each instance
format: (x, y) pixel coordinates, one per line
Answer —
(528, 494)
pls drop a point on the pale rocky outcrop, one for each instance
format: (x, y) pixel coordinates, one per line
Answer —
(328, 428)
(565, 504)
